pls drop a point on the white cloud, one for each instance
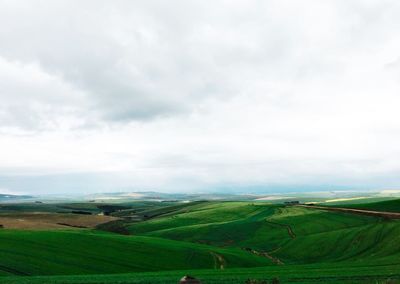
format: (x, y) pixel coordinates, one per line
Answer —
(33, 99)
(185, 95)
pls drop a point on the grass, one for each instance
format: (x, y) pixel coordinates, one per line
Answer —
(300, 274)
(293, 235)
(241, 224)
(86, 252)
(387, 206)
(201, 238)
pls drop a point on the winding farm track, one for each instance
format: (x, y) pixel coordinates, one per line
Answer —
(288, 228)
(266, 254)
(218, 260)
(388, 215)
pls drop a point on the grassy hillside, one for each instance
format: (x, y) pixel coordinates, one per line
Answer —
(86, 252)
(286, 241)
(216, 223)
(387, 206)
(259, 226)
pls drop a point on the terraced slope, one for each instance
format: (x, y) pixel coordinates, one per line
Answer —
(86, 252)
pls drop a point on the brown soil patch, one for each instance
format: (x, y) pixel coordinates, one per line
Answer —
(38, 221)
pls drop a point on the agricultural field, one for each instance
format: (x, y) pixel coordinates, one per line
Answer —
(216, 241)
(385, 206)
(41, 221)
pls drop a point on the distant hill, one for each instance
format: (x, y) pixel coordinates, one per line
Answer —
(8, 197)
(161, 196)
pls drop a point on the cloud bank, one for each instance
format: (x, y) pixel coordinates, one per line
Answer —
(195, 96)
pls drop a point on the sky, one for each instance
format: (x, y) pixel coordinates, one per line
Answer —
(199, 96)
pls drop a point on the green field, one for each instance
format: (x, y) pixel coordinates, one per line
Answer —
(387, 206)
(86, 252)
(219, 242)
(303, 274)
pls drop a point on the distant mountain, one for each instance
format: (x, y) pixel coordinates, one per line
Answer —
(160, 196)
(9, 197)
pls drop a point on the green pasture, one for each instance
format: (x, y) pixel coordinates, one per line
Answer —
(218, 242)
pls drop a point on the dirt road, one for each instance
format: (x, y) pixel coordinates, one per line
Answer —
(288, 228)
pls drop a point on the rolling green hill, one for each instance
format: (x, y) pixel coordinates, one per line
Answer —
(213, 235)
(86, 252)
(259, 226)
(387, 206)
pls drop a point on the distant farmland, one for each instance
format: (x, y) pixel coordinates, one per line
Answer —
(35, 221)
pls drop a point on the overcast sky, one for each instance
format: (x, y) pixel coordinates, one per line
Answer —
(175, 96)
